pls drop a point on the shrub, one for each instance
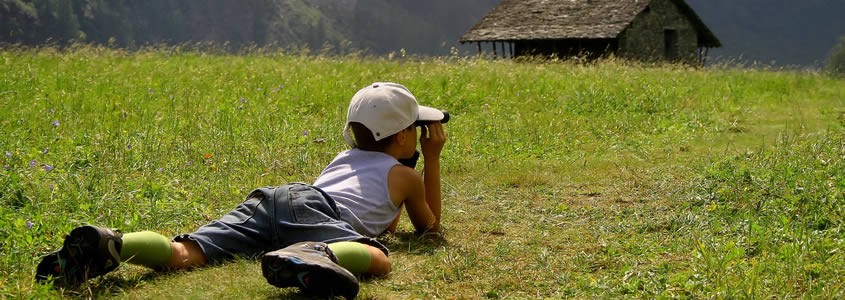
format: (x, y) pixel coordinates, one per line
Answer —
(836, 63)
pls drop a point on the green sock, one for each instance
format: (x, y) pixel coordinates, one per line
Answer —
(353, 256)
(146, 248)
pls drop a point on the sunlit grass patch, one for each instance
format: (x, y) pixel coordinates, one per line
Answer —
(774, 221)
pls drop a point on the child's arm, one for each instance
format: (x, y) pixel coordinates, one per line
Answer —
(407, 184)
(432, 140)
(421, 194)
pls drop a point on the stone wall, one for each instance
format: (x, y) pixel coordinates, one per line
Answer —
(645, 38)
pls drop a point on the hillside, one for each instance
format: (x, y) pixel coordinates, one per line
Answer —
(776, 32)
(419, 27)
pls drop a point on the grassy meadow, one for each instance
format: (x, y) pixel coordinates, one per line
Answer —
(560, 180)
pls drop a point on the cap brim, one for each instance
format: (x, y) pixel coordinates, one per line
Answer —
(429, 114)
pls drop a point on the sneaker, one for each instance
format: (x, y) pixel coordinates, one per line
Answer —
(312, 267)
(87, 252)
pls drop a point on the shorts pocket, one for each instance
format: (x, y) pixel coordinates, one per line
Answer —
(308, 206)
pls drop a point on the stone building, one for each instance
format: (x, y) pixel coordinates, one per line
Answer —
(647, 30)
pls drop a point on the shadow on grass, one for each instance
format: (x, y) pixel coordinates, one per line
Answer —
(412, 243)
(291, 293)
(139, 278)
(111, 286)
(106, 286)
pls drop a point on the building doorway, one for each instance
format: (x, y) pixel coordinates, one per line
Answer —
(670, 44)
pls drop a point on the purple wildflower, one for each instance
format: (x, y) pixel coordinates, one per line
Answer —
(160, 169)
(243, 100)
(45, 150)
(51, 186)
(8, 154)
(5, 167)
(305, 133)
(56, 123)
(48, 168)
(33, 163)
(52, 110)
(129, 146)
(29, 224)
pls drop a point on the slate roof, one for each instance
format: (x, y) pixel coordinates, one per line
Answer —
(515, 20)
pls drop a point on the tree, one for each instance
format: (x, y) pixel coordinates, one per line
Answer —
(57, 20)
(159, 21)
(16, 20)
(105, 21)
(836, 63)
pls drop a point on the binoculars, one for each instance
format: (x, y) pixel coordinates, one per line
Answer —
(412, 161)
(444, 120)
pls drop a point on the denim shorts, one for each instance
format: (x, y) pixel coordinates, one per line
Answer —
(273, 218)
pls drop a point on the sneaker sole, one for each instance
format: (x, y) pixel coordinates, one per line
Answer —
(92, 240)
(289, 271)
(79, 250)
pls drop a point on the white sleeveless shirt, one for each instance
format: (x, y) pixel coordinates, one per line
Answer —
(357, 181)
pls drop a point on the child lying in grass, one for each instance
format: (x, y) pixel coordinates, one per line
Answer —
(314, 237)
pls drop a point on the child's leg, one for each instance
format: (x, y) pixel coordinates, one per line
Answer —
(146, 248)
(156, 251)
(186, 254)
(361, 258)
(90, 251)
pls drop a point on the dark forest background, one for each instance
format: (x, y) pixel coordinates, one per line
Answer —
(771, 32)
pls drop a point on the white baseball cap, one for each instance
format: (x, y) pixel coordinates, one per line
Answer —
(386, 108)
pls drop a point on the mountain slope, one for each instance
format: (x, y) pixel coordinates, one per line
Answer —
(778, 32)
(771, 32)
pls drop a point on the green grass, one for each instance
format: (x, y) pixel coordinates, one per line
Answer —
(560, 180)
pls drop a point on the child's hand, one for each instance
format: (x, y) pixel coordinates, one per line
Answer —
(432, 139)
